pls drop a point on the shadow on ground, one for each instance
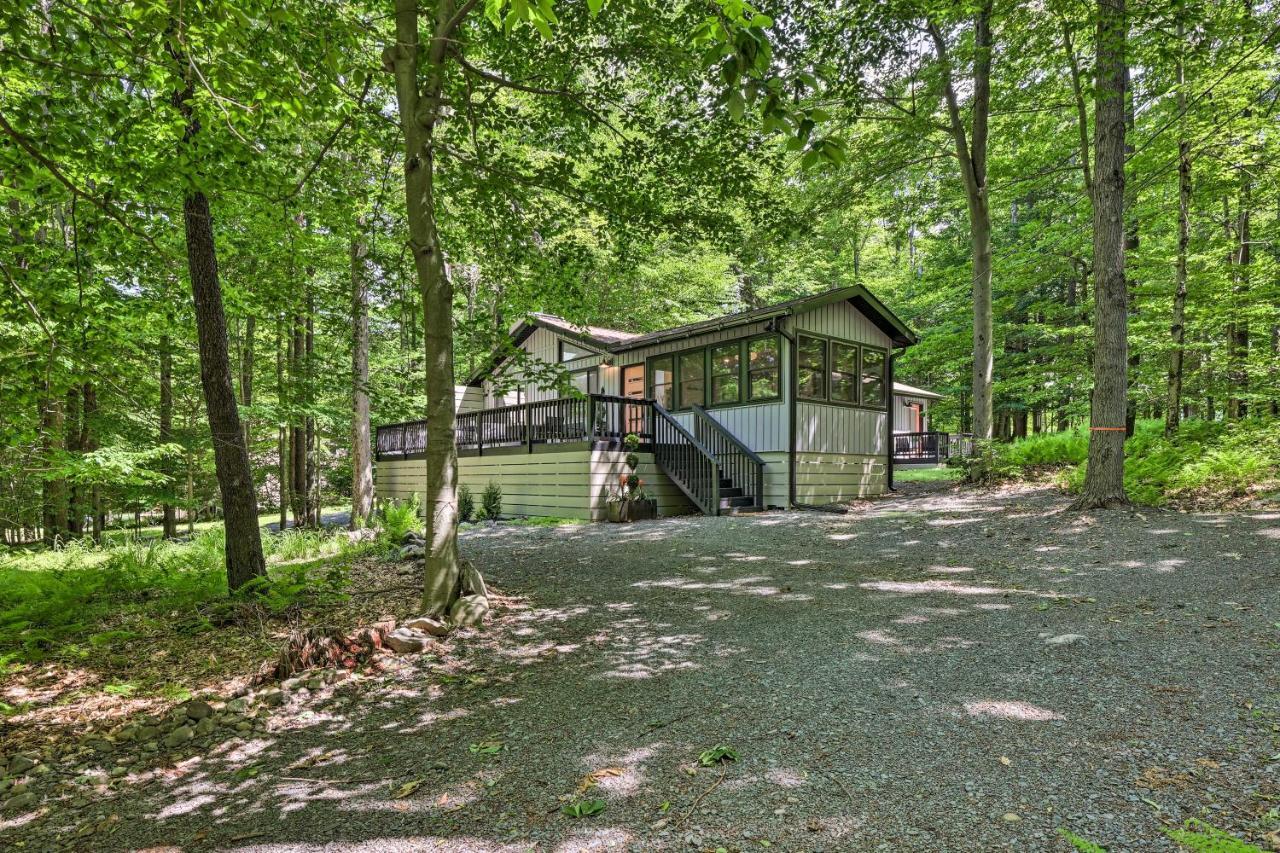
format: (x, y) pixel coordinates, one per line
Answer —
(947, 670)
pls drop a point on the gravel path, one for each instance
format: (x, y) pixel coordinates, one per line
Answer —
(941, 670)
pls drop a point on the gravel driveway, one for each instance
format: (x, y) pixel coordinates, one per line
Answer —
(941, 670)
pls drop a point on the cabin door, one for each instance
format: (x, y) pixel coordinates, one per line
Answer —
(633, 386)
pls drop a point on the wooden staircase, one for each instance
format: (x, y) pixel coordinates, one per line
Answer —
(720, 474)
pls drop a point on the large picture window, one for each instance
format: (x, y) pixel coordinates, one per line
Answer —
(726, 374)
(844, 373)
(873, 363)
(764, 369)
(811, 368)
(572, 352)
(662, 379)
(693, 378)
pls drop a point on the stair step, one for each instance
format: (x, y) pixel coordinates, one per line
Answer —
(739, 501)
(733, 492)
(741, 510)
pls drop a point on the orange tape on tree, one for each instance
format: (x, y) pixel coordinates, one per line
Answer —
(1108, 429)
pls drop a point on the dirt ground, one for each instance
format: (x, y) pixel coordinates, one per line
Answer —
(939, 670)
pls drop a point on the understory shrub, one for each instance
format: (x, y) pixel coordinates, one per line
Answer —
(397, 518)
(466, 504)
(1205, 464)
(75, 600)
(491, 501)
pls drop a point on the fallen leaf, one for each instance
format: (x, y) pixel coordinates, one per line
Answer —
(1004, 759)
(407, 789)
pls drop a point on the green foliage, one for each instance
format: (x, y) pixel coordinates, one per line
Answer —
(987, 465)
(396, 518)
(466, 504)
(1204, 838)
(491, 501)
(1206, 463)
(80, 600)
(583, 808)
(1082, 844)
(718, 755)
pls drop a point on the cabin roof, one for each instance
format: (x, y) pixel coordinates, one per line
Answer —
(604, 340)
(901, 389)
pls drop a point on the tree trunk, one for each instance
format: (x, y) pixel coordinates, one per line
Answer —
(73, 425)
(1104, 479)
(312, 472)
(246, 375)
(245, 561)
(1238, 331)
(1177, 325)
(169, 519)
(972, 153)
(244, 556)
(298, 491)
(54, 489)
(361, 454)
(1131, 245)
(419, 111)
(88, 444)
(282, 436)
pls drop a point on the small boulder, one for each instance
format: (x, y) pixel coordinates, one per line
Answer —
(197, 709)
(147, 733)
(407, 641)
(1065, 640)
(20, 802)
(469, 611)
(412, 536)
(272, 696)
(412, 550)
(427, 625)
(20, 764)
(179, 736)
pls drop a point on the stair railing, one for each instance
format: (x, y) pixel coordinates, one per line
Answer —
(738, 463)
(684, 459)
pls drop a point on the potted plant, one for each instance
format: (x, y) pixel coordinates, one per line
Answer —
(629, 501)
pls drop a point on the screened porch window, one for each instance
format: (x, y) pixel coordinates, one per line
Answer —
(811, 368)
(764, 367)
(873, 363)
(693, 378)
(844, 373)
(726, 374)
(662, 380)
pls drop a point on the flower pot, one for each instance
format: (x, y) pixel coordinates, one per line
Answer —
(632, 510)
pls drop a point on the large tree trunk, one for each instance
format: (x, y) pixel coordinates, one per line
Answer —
(972, 154)
(312, 447)
(419, 111)
(244, 556)
(1177, 325)
(169, 520)
(88, 444)
(74, 442)
(1104, 479)
(361, 454)
(245, 561)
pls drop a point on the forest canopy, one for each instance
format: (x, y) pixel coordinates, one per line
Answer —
(613, 163)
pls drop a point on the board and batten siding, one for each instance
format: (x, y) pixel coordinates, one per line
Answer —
(903, 417)
(543, 345)
(563, 483)
(841, 451)
(764, 427)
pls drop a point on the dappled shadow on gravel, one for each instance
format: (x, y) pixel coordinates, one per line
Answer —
(944, 670)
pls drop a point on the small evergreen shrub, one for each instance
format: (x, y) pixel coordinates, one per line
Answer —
(466, 504)
(491, 501)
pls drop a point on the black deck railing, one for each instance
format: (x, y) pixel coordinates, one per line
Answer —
(929, 447)
(686, 461)
(739, 464)
(593, 418)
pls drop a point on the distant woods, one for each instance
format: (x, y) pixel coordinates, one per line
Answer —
(213, 277)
